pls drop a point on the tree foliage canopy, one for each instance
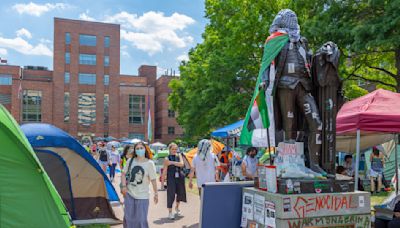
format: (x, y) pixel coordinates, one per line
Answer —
(216, 83)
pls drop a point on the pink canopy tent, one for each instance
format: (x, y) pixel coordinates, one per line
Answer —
(378, 111)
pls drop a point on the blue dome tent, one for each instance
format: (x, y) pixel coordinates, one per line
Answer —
(81, 183)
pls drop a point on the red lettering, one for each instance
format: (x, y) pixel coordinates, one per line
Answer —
(299, 207)
(345, 203)
(311, 205)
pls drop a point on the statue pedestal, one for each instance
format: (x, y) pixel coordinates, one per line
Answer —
(301, 186)
(265, 209)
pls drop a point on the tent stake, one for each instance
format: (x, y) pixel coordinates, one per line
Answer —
(357, 161)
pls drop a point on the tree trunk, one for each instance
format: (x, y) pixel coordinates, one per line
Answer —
(397, 62)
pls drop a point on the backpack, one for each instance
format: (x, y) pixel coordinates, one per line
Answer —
(103, 155)
(186, 165)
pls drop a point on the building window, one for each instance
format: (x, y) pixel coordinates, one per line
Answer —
(86, 59)
(66, 107)
(106, 60)
(106, 79)
(67, 58)
(87, 40)
(171, 113)
(66, 77)
(87, 79)
(136, 109)
(67, 38)
(133, 135)
(106, 101)
(171, 130)
(5, 99)
(106, 41)
(87, 108)
(32, 106)
(5, 79)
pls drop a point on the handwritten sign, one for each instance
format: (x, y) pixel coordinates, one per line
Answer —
(306, 205)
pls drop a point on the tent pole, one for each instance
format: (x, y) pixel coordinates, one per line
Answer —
(357, 161)
(396, 162)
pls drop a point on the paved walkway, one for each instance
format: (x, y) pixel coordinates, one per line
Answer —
(158, 214)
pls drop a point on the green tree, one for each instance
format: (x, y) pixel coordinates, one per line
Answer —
(367, 32)
(216, 83)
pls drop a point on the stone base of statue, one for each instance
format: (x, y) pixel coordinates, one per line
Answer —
(265, 209)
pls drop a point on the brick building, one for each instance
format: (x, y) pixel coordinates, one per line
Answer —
(166, 125)
(85, 94)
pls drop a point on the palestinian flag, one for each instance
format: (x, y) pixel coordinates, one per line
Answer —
(258, 128)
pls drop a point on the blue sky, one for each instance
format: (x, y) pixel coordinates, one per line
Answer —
(26, 34)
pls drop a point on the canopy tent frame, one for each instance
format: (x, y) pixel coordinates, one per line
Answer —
(377, 111)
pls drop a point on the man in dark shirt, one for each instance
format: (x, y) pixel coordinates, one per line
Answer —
(395, 223)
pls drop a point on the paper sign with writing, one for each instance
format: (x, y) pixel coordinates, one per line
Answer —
(259, 208)
(269, 214)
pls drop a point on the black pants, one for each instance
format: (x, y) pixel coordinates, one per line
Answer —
(112, 170)
(175, 188)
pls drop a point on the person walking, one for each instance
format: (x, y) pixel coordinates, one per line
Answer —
(136, 177)
(126, 154)
(115, 158)
(249, 164)
(376, 172)
(223, 167)
(172, 172)
(104, 157)
(204, 165)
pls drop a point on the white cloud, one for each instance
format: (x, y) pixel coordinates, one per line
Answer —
(38, 9)
(24, 32)
(183, 57)
(20, 45)
(85, 16)
(124, 51)
(3, 52)
(153, 31)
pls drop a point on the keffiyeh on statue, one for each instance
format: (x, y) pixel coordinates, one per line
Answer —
(286, 21)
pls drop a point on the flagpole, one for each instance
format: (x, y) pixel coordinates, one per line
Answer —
(20, 95)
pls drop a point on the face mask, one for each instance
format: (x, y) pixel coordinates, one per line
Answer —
(140, 152)
(130, 151)
(252, 155)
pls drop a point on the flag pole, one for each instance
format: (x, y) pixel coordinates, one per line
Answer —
(269, 147)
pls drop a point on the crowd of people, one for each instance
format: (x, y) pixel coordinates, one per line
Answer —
(138, 173)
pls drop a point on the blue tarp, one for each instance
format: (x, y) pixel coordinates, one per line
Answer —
(46, 135)
(229, 131)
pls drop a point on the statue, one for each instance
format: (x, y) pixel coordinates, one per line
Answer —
(294, 89)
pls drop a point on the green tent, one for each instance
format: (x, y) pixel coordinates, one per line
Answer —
(27, 196)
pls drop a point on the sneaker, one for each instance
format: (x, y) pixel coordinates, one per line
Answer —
(171, 216)
(178, 212)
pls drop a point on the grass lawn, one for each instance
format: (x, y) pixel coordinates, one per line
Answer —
(378, 198)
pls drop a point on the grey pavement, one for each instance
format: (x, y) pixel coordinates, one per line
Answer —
(158, 214)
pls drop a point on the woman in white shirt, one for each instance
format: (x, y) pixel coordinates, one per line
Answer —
(136, 177)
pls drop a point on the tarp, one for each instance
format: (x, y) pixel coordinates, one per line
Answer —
(378, 111)
(216, 146)
(82, 184)
(27, 196)
(230, 130)
(347, 143)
